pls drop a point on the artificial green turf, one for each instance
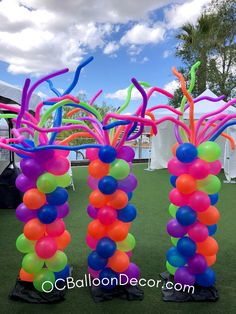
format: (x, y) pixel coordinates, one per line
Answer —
(151, 201)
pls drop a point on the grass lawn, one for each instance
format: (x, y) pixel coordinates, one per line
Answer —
(151, 201)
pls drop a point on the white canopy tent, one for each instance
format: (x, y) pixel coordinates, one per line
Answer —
(165, 139)
(13, 95)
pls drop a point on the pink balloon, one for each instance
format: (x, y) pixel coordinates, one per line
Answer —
(215, 167)
(56, 228)
(92, 153)
(130, 253)
(58, 166)
(91, 242)
(198, 232)
(93, 183)
(93, 273)
(107, 215)
(176, 167)
(178, 198)
(60, 152)
(46, 247)
(199, 169)
(199, 201)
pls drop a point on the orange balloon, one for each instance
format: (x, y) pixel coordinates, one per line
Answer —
(24, 276)
(118, 200)
(118, 230)
(174, 147)
(34, 199)
(210, 260)
(186, 184)
(34, 229)
(63, 240)
(96, 229)
(98, 199)
(209, 216)
(98, 169)
(119, 262)
(208, 247)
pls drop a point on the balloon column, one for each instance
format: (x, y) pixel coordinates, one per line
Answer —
(108, 234)
(193, 170)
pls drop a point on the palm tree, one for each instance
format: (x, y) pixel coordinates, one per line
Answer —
(195, 43)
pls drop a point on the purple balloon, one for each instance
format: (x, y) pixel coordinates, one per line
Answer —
(25, 214)
(175, 229)
(197, 264)
(130, 253)
(184, 276)
(43, 156)
(31, 168)
(93, 183)
(127, 153)
(24, 183)
(131, 272)
(92, 211)
(63, 210)
(128, 184)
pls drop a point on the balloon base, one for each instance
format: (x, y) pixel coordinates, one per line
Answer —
(209, 294)
(25, 292)
(129, 293)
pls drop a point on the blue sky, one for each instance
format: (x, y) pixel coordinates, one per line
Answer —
(127, 39)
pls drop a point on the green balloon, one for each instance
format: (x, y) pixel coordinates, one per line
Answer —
(171, 269)
(64, 180)
(24, 245)
(173, 210)
(174, 241)
(211, 184)
(41, 278)
(127, 244)
(209, 151)
(46, 183)
(119, 169)
(57, 262)
(31, 263)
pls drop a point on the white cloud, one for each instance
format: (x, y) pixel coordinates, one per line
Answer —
(188, 12)
(171, 86)
(167, 53)
(141, 34)
(42, 95)
(121, 94)
(137, 60)
(111, 47)
(40, 36)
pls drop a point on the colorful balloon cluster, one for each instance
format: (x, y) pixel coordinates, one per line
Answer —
(44, 175)
(43, 181)
(108, 236)
(194, 194)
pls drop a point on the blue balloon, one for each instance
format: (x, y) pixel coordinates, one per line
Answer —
(130, 195)
(206, 279)
(106, 247)
(109, 278)
(186, 246)
(127, 213)
(186, 216)
(212, 229)
(95, 261)
(57, 197)
(107, 185)
(214, 198)
(173, 181)
(63, 274)
(47, 214)
(174, 257)
(107, 154)
(186, 152)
